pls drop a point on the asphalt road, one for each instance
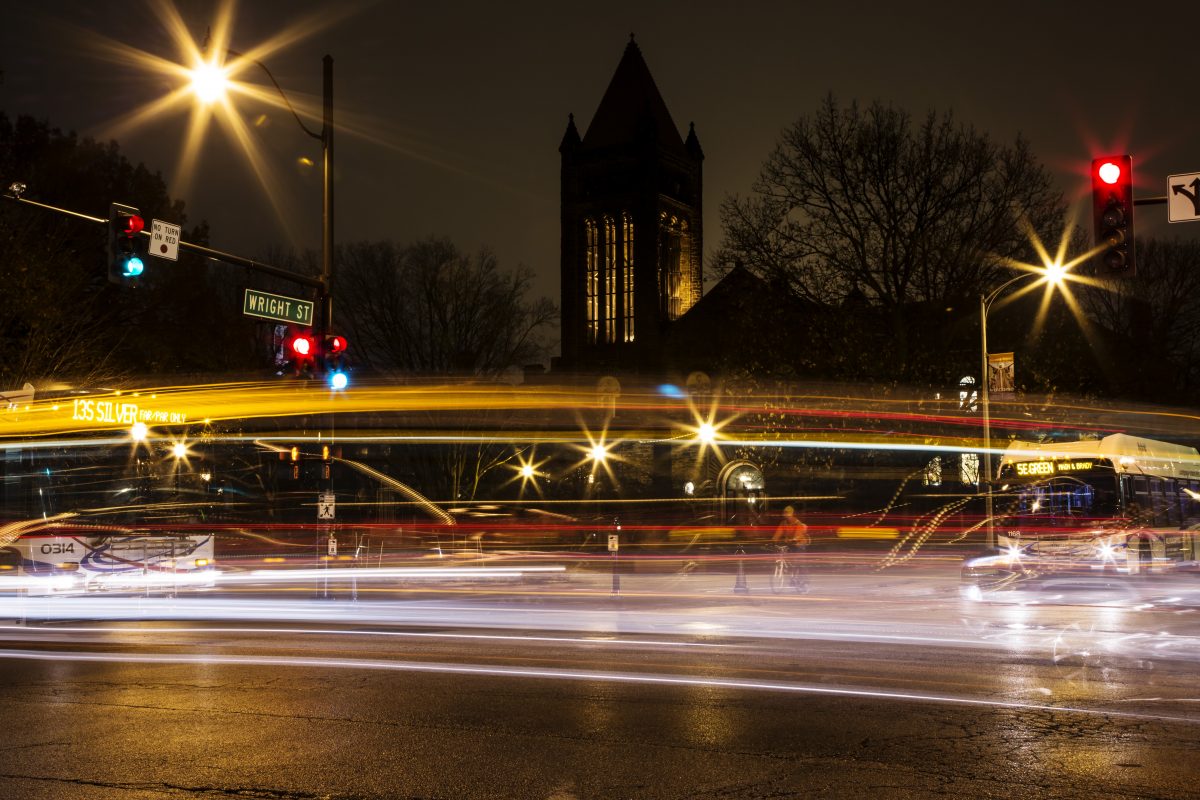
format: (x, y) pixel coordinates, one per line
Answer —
(892, 687)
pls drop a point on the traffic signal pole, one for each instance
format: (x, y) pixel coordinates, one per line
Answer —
(327, 200)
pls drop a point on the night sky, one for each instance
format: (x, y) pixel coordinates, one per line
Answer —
(450, 114)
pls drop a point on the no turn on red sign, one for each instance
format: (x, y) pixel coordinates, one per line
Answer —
(164, 240)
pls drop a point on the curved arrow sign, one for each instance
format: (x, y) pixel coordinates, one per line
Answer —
(1183, 197)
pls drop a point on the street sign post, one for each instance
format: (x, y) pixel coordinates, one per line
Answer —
(1183, 197)
(164, 240)
(277, 307)
(325, 506)
(614, 544)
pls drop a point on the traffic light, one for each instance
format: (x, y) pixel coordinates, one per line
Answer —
(335, 351)
(295, 453)
(302, 353)
(126, 248)
(1112, 215)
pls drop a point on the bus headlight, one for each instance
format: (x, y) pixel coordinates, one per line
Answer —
(1106, 551)
(202, 562)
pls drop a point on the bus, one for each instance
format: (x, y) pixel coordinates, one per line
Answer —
(1117, 506)
(54, 556)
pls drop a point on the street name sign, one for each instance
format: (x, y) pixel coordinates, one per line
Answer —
(164, 240)
(1183, 197)
(277, 307)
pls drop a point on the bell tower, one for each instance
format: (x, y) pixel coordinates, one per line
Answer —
(631, 226)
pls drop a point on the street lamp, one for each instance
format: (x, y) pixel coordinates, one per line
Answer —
(209, 82)
(1054, 274)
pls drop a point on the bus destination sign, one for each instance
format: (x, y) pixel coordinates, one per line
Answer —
(116, 412)
(1040, 469)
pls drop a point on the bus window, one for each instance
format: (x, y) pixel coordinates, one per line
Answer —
(1191, 508)
(1171, 503)
(1155, 505)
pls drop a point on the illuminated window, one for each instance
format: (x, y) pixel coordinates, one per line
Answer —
(627, 275)
(610, 280)
(933, 472)
(593, 280)
(674, 265)
(681, 299)
(968, 468)
(968, 395)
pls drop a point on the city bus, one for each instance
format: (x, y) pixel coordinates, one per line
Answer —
(58, 555)
(1072, 512)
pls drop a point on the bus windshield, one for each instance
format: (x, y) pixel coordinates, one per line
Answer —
(1074, 497)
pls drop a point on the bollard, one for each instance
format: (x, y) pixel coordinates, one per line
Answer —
(614, 540)
(740, 586)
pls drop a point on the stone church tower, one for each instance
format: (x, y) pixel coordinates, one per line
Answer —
(631, 226)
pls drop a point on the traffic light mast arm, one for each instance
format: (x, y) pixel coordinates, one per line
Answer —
(249, 263)
(15, 190)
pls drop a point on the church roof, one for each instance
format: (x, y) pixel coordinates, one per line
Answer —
(631, 102)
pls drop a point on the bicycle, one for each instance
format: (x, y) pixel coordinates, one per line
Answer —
(786, 575)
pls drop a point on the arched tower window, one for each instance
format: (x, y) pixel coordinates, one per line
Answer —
(684, 296)
(592, 280)
(627, 272)
(610, 280)
(675, 274)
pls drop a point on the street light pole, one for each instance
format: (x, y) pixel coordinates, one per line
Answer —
(325, 294)
(327, 201)
(1053, 274)
(987, 422)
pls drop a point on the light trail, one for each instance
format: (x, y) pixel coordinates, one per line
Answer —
(182, 406)
(165, 579)
(499, 637)
(1036, 641)
(341, 574)
(580, 675)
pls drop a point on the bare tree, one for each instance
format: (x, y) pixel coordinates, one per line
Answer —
(1153, 321)
(863, 202)
(428, 308)
(60, 319)
(906, 220)
(54, 321)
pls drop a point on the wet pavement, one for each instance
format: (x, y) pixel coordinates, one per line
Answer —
(677, 688)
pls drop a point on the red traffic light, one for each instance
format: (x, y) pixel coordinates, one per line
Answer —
(303, 345)
(335, 344)
(1112, 215)
(134, 225)
(1109, 171)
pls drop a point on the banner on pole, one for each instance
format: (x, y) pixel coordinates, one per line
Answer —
(1000, 374)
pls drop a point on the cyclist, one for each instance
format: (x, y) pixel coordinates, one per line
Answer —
(791, 532)
(791, 536)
